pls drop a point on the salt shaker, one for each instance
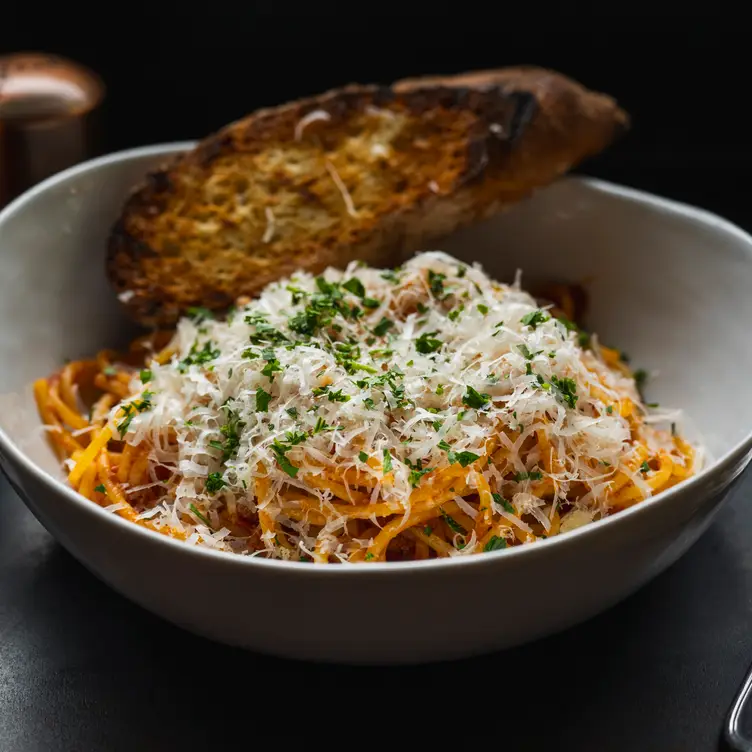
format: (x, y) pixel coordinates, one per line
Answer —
(48, 110)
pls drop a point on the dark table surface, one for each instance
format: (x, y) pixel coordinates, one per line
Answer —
(81, 668)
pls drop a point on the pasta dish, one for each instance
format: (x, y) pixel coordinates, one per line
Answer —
(365, 415)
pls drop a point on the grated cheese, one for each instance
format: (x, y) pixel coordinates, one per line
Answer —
(438, 358)
(306, 120)
(342, 188)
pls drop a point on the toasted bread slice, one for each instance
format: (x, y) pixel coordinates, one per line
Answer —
(362, 172)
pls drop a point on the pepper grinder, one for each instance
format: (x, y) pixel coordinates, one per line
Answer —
(48, 108)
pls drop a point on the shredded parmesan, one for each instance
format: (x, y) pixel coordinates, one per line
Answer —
(377, 374)
(305, 121)
(342, 188)
(270, 221)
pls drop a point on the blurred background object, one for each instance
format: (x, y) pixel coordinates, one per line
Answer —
(48, 107)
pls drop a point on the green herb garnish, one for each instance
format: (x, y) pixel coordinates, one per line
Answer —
(534, 318)
(455, 314)
(535, 475)
(502, 502)
(321, 426)
(566, 390)
(526, 353)
(262, 400)
(495, 544)
(198, 514)
(198, 357)
(383, 327)
(427, 343)
(436, 283)
(214, 483)
(453, 524)
(474, 399)
(200, 314)
(355, 286)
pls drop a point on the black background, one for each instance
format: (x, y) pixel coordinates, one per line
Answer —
(177, 70)
(80, 668)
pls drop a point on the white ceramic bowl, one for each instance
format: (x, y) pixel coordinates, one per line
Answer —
(669, 283)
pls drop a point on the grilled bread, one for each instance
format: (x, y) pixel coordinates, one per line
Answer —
(362, 172)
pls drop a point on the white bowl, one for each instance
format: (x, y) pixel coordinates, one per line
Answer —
(669, 283)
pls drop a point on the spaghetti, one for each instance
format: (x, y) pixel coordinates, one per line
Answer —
(364, 415)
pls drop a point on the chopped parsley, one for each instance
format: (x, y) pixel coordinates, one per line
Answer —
(199, 314)
(535, 475)
(391, 276)
(534, 318)
(453, 524)
(482, 308)
(145, 375)
(416, 475)
(422, 308)
(368, 402)
(292, 412)
(566, 390)
(131, 409)
(474, 399)
(427, 530)
(285, 465)
(214, 483)
(383, 326)
(583, 338)
(338, 396)
(355, 286)
(495, 544)
(387, 461)
(502, 502)
(321, 426)
(454, 314)
(297, 294)
(198, 357)
(427, 343)
(362, 456)
(645, 467)
(265, 333)
(230, 431)
(526, 353)
(272, 366)
(101, 488)
(369, 556)
(464, 458)
(200, 516)
(610, 409)
(262, 400)
(436, 283)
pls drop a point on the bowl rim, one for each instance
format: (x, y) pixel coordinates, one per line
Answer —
(728, 463)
